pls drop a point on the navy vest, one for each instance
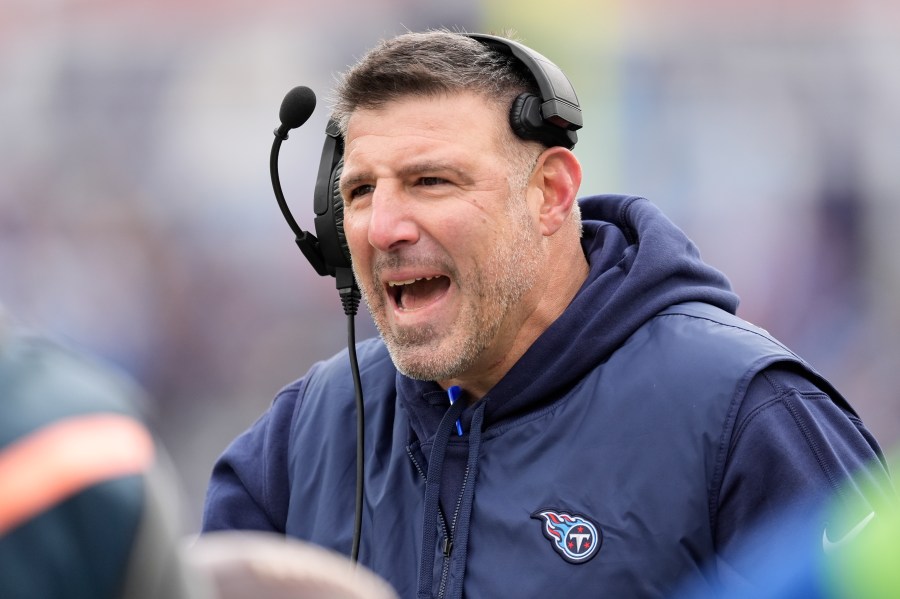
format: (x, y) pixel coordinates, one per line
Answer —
(636, 449)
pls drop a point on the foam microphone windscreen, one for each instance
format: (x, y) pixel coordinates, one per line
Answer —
(297, 106)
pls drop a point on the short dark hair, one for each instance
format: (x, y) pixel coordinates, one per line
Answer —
(428, 64)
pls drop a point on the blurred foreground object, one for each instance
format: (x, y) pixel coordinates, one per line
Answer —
(855, 554)
(87, 507)
(89, 502)
(865, 562)
(257, 565)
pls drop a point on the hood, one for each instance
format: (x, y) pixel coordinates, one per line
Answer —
(640, 264)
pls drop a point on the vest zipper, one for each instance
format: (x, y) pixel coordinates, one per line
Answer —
(447, 543)
(431, 512)
(448, 540)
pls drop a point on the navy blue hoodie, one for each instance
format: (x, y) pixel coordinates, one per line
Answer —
(628, 447)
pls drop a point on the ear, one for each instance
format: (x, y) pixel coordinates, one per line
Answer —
(558, 176)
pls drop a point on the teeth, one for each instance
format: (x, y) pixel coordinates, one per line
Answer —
(410, 281)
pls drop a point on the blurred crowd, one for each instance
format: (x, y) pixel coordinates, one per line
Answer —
(137, 220)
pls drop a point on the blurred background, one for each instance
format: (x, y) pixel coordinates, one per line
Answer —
(137, 220)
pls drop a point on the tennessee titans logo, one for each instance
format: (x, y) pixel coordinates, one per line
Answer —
(574, 537)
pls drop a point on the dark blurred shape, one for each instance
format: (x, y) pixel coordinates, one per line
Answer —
(87, 507)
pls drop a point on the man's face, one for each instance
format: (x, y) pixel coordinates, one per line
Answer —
(446, 255)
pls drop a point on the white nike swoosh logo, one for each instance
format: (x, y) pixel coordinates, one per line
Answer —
(828, 545)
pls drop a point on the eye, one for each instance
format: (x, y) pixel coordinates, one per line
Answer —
(429, 181)
(361, 191)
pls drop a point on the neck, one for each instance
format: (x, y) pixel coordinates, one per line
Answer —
(549, 298)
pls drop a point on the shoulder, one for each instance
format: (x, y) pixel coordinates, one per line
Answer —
(788, 406)
(703, 323)
(794, 444)
(335, 375)
(696, 343)
(371, 354)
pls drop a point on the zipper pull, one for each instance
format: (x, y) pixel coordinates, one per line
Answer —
(453, 394)
(447, 546)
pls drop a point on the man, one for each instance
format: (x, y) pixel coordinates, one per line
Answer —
(619, 429)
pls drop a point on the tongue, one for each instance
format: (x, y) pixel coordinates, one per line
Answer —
(423, 293)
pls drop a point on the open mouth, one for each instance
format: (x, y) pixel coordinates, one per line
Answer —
(414, 294)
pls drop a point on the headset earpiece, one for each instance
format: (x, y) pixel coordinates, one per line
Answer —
(551, 118)
(337, 202)
(525, 116)
(328, 204)
(527, 123)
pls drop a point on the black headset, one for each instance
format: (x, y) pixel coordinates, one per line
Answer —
(551, 118)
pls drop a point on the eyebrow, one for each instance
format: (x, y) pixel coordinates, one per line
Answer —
(349, 183)
(417, 168)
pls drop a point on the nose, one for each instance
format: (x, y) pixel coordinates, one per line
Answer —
(391, 220)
